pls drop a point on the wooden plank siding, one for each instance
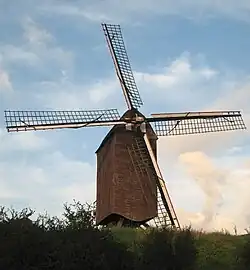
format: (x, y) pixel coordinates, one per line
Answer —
(120, 191)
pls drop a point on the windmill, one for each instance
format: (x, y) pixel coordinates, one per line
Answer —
(130, 186)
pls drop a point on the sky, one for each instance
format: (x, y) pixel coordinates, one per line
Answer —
(186, 56)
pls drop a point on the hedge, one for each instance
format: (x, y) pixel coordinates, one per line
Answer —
(73, 243)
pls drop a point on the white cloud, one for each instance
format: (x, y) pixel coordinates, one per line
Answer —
(102, 90)
(67, 95)
(12, 55)
(34, 34)
(208, 73)
(123, 11)
(39, 49)
(209, 179)
(221, 184)
(21, 142)
(5, 82)
(76, 10)
(180, 73)
(46, 183)
(131, 12)
(235, 149)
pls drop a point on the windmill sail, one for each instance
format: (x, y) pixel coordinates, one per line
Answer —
(124, 72)
(144, 162)
(167, 124)
(166, 212)
(44, 120)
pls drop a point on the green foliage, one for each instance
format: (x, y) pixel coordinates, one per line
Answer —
(245, 253)
(51, 243)
(73, 242)
(79, 215)
(158, 251)
(218, 251)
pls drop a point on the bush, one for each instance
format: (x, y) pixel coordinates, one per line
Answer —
(73, 243)
(158, 250)
(169, 249)
(185, 249)
(244, 254)
(51, 243)
(218, 251)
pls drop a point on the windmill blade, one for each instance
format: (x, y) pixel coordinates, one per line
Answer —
(44, 120)
(167, 124)
(145, 164)
(165, 200)
(124, 72)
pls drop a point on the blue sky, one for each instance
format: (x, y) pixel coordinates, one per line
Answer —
(185, 57)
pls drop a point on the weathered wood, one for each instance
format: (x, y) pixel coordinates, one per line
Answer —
(121, 191)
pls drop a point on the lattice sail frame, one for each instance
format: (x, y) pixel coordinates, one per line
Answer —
(165, 199)
(145, 164)
(123, 68)
(169, 124)
(43, 120)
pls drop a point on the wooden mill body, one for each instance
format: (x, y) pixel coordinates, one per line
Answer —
(123, 192)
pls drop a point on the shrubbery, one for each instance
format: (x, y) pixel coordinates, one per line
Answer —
(73, 242)
(245, 253)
